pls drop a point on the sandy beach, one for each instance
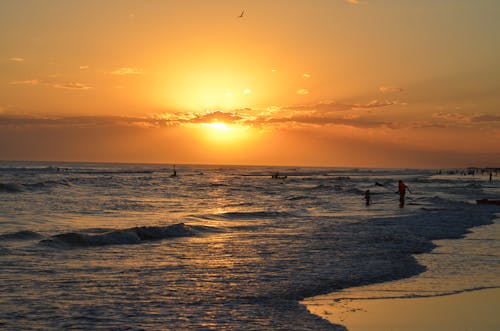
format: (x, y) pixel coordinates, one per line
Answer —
(468, 311)
(458, 291)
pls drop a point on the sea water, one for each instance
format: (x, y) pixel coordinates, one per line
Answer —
(127, 246)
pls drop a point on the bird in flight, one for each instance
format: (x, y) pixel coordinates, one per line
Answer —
(241, 15)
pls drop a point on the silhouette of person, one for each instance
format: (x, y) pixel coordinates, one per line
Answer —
(174, 173)
(368, 197)
(402, 187)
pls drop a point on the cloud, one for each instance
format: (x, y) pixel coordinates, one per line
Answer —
(353, 2)
(306, 76)
(303, 91)
(375, 104)
(485, 118)
(216, 116)
(390, 89)
(63, 85)
(71, 86)
(84, 67)
(29, 82)
(128, 71)
(335, 107)
(68, 121)
(451, 117)
(457, 120)
(317, 119)
(17, 59)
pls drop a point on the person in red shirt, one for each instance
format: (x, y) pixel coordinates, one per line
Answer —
(402, 187)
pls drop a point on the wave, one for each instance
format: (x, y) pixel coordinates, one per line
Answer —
(444, 202)
(21, 235)
(218, 184)
(4, 251)
(299, 197)
(322, 187)
(129, 236)
(416, 295)
(20, 187)
(254, 215)
(10, 187)
(355, 190)
(31, 169)
(62, 169)
(236, 215)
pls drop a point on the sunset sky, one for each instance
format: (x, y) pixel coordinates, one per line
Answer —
(366, 83)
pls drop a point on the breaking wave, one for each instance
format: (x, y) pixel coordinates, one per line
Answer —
(135, 235)
(236, 215)
(10, 187)
(21, 235)
(20, 187)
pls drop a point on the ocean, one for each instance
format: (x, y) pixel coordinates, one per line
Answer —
(130, 247)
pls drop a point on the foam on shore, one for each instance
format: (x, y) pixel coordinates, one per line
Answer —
(460, 290)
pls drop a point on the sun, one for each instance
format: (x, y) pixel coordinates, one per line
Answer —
(221, 132)
(218, 126)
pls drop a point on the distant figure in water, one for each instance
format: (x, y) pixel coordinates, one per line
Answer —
(368, 197)
(277, 176)
(174, 173)
(402, 187)
(491, 175)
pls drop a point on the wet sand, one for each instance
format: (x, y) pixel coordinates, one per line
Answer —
(467, 311)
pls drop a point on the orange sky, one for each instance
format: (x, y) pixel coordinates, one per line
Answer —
(319, 82)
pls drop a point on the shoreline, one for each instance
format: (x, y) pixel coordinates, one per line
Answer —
(448, 296)
(470, 310)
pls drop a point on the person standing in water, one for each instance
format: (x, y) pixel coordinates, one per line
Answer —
(368, 197)
(402, 187)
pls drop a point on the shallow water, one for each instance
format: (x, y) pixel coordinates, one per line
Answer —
(101, 246)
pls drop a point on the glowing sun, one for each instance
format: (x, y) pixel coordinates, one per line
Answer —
(218, 126)
(225, 133)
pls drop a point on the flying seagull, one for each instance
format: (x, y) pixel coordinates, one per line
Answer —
(241, 15)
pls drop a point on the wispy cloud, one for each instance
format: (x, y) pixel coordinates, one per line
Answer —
(353, 2)
(67, 121)
(452, 117)
(303, 91)
(334, 106)
(216, 116)
(180, 119)
(390, 89)
(84, 67)
(29, 82)
(128, 71)
(71, 86)
(17, 59)
(59, 85)
(485, 118)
